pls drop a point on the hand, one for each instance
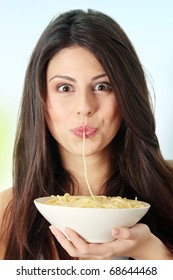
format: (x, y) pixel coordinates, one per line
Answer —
(137, 242)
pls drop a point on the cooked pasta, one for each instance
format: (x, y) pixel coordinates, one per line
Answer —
(99, 201)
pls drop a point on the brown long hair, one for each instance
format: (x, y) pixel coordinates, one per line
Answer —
(138, 168)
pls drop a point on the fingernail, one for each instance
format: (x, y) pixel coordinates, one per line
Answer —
(52, 229)
(115, 231)
(66, 230)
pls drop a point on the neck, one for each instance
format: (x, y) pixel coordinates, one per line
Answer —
(97, 169)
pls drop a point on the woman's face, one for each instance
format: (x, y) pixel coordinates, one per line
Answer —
(80, 97)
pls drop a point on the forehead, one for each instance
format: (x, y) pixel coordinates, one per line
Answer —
(73, 51)
(74, 58)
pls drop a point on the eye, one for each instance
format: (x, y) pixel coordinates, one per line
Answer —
(103, 87)
(64, 88)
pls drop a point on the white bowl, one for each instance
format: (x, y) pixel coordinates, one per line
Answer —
(92, 224)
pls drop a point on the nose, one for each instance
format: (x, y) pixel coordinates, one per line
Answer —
(86, 105)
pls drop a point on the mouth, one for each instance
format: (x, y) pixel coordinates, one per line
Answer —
(89, 131)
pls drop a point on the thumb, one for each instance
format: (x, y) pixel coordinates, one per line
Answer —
(135, 232)
(121, 233)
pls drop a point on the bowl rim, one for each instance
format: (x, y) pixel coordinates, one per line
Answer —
(44, 198)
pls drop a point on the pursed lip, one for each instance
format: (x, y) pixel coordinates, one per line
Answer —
(89, 131)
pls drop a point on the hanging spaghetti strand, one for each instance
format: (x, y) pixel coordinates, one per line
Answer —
(84, 163)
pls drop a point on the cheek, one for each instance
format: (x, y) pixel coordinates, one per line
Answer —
(114, 113)
(114, 118)
(53, 119)
(55, 113)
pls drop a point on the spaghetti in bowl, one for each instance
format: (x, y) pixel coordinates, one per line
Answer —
(92, 219)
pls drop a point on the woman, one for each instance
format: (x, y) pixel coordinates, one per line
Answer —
(85, 69)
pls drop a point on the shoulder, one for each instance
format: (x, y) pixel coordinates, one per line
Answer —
(170, 162)
(5, 197)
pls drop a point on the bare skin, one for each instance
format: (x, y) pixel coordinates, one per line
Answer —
(138, 243)
(5, 197)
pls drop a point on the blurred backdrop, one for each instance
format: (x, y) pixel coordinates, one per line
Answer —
(149, 25)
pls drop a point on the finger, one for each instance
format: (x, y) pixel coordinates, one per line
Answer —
(140, 230)
(130, 233)
(79, 243)
(64, 241)
(121, 233)
(58, 234)
(89, 250)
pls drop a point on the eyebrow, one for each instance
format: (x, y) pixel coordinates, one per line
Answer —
(73, 80)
